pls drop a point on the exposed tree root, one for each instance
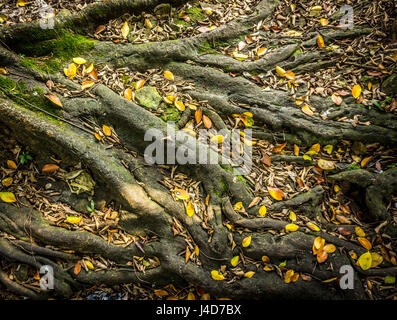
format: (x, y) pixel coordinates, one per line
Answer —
(148, 208)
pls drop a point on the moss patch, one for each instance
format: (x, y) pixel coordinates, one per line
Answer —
(55, 53)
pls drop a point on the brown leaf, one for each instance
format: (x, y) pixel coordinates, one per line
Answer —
(49, 168)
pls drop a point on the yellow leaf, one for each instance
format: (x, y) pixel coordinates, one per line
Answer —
(125, 30)
(365, 261)
(365, 243)
(320, 42)
(288, 275)
(22, 3)
(356, 91)
(312, 226)
(296, 150)
(216, 275)
(249, 274)
(54, 99)
(217, 139)
(292, 216)
(359, 232)
(107, 130)
(89, 264)
(262, 211)
(73, 220)
(276, 193)
(261, 52)
(139, 84)
(328, 148)
(319, 243)
(97, 136)
(181, 194)
(289, 75)
(8, 197)
(280, 71)
(325, 164)
(239, 56)
(87, 84)
(365, 161)
(168, 75)
(306, 110)
(161, 293)
(190, 209)
(291, 227)
(322, 256)
(128, 94)
(179, 105)
(265, 259)
(3, 71)
(246, 241)
(7, 182)
(90, 68)
(329, 248)
(79, 60)
(11, 164)
(238, 206)
(205, 296)
(323, 22)
(329, 280)
(169, 99)
(72, 70)
(268, 268)
(315, 148)
(196, 250)
(376, 259)
(234, 261)
(191, 296)
(148, 24)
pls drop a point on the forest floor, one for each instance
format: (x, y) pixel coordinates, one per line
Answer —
(357, 73)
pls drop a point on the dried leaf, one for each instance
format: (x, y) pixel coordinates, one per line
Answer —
(246, 241)
(262, 211)
(276, 193)
(207, 122)
(320, 42)
(125, 30)
(77, 268)
(279, 148)
(365, 261)
(190, 209)
(312, 226)
(306, 110)
(325, 164)
(49, 168)
(365, 243)
(8, 197)
(216, 275)
(322, 256)
(7, 181)
(329, 248)
(54, 99)
(11, 165)
(356, 91)
(107, 130)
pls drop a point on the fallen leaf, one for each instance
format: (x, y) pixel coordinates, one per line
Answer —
(216, 275)
(291, 227)
(125, 30)
(325, 164)
(320, 42)
(54, 99)
(73, 220)
(168, 75)
(8, 197)
(280, 71)
(139, 84)
(306, 110)
(128, 94)
(262, 211)
(181, 194)
(207, 122)
(329, 248)
(49, 168)
(7, 181)
(279, 148)
(77, 268)
(288, 276)
(365, 243)
(179, 105)
(356, 91)
(312, 226)
(234, 261)
(79, 60)
(11, 164)
(322, 256)
(190, 209)
(249, 274)
(246, 241)
(276, 193)
(365, 260)
(107, 130)
(161, 293)
(87, 84)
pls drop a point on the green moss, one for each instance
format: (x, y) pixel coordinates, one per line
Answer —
(20, 93)
(195, 14)
(55, 53)
(171, 114)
